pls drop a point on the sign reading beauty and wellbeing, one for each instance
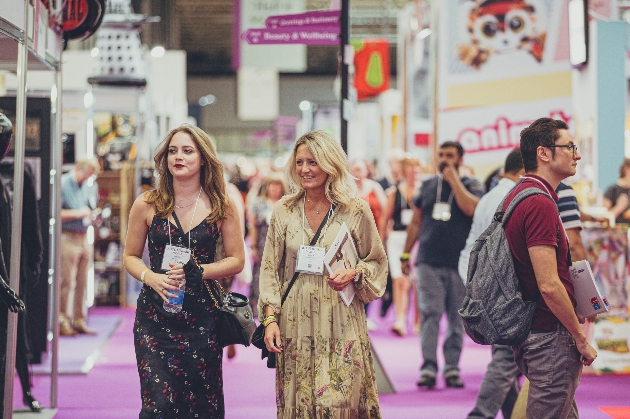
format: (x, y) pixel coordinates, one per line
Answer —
(293, 35)
(311, 28)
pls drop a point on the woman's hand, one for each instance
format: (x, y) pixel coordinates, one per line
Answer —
(163, 283)
(340, 279)
(272, 338)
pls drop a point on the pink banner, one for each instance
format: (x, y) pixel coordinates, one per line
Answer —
(322, 18)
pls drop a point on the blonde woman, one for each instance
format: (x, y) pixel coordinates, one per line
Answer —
(179, 359)
(324, 362)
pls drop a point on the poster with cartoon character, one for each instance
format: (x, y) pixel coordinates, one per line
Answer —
(501, 65)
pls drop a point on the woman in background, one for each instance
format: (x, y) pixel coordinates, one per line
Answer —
(272, 189)
(396, 216)
(616, 197)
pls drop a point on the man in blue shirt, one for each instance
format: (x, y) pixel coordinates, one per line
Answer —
(441, 220)
(78, 200)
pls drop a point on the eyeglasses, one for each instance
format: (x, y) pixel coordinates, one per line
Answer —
(572, 147)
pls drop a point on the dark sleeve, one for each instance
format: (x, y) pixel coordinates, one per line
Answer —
(31, 226)
(474, 186)
(612, 193)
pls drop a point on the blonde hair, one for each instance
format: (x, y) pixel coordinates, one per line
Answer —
(211, 176)
(410, 161)
(340, 185)
(274, 178)
(85, 164)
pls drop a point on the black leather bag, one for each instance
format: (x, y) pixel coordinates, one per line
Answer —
(258, 339)
(237, 319)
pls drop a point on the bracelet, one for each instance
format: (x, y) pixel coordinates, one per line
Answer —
(143, 274)
(269, 319)
(357, 275)
(405, 257)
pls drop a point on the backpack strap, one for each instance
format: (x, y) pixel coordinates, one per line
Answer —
(504, 216)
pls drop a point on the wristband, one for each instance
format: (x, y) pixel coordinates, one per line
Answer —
(143, 274)
(405, 257)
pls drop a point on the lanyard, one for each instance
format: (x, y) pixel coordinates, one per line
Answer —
(438, 198)
(328, 216)
(168, 222)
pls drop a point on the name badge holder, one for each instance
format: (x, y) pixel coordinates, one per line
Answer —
(177, 255)
(442, 210)
(310, 259)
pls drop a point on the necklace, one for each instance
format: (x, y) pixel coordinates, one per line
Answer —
(188, 199)
(316, 209)
(183, 206)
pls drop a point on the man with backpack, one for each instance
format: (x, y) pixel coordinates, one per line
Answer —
(554, 351)
(441, 221)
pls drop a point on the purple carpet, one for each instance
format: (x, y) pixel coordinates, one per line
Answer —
(111, 389)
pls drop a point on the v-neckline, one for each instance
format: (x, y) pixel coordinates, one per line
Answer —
(186, 233)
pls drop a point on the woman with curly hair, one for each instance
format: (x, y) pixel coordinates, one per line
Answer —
(324, 364)
(179, 358)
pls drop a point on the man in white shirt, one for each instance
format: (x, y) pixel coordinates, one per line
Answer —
(499, 388)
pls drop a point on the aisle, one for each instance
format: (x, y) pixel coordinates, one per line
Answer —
(111, 390)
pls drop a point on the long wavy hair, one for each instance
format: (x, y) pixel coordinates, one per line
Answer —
(340, 185)
(210, 176)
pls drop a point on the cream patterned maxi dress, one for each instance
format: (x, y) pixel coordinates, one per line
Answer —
(326, 369)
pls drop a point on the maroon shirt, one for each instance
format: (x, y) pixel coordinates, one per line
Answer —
(535, 222)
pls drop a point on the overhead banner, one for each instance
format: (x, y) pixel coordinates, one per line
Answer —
(501, 65)
(251, 49)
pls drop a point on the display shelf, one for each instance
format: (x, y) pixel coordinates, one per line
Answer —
(44, 43)
(115, 198)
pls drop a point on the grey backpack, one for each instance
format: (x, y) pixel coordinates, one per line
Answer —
(494, 311)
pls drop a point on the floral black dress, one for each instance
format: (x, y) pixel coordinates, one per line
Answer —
(179, 359)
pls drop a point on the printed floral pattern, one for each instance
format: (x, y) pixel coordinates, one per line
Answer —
(326, 369)
(179, 360)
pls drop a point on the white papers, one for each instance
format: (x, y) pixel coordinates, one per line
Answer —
(589, 300)
(342, 255)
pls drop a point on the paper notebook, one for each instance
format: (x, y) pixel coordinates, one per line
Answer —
(342, 255)
(589, 300)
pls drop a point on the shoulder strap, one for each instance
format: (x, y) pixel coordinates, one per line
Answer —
(504, 216)
(315, 238)
(181, 230)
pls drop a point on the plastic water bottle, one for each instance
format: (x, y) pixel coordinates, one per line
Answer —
(174, 304)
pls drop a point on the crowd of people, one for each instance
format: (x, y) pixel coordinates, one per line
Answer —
(286, 223)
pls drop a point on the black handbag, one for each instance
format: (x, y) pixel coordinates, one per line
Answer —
(237, 319)
(258, 339)
(236, 324)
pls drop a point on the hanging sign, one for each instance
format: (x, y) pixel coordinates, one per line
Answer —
(291, 35)
(320, 18)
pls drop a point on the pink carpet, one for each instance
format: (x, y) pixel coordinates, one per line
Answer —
(111, 389)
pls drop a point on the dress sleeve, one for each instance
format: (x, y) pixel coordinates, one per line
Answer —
(271, 270)
(372, 259)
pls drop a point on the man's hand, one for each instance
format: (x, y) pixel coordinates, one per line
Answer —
(588, 353)
(451, 175)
